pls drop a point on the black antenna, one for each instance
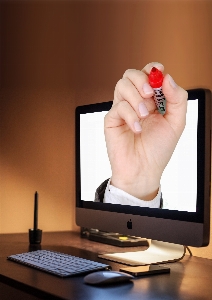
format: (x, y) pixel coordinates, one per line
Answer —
(35, 234)
(36, 211)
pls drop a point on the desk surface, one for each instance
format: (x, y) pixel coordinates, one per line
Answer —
(189, 278)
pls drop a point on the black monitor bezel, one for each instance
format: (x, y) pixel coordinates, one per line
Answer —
(203, 161)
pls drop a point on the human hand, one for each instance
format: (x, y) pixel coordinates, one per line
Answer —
(140, 141)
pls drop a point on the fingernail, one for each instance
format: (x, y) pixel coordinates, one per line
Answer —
(137, 126)
(172, 82)
(143, 110)
(147, 89)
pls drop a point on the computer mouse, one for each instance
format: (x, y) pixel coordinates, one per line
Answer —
(106, 277)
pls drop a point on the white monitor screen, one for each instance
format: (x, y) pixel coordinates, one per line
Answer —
(179, 179)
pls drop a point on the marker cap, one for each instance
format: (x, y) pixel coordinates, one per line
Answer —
(155, 78)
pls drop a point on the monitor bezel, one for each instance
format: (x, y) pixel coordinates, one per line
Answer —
(202, 215)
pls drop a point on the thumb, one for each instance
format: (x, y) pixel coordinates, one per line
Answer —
(176, 104)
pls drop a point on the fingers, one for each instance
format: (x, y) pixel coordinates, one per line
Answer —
(176, 104)
(129, 107)
(132, 99)
(123, 115)
(140, 81)
(134, 87)
(127, 91)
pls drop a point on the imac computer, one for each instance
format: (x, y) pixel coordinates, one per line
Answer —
(184, 219)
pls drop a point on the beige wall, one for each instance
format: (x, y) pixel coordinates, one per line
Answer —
(56, 55)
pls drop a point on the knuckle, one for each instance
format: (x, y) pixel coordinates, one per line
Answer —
(120, 84)
(127, 72)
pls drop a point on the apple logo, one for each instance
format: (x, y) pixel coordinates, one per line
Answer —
(129, 224)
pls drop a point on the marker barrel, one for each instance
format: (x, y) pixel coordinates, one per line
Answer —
(160, 100)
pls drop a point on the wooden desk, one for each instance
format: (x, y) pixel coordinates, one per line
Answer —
(189, 279)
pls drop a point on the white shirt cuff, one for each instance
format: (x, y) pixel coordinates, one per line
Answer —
(114, 195)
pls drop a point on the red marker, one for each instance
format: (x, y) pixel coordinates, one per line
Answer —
(155, 81)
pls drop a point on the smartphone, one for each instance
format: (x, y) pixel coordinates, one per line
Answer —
(145, 270)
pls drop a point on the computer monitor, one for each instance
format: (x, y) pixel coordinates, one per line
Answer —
(185, 183)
